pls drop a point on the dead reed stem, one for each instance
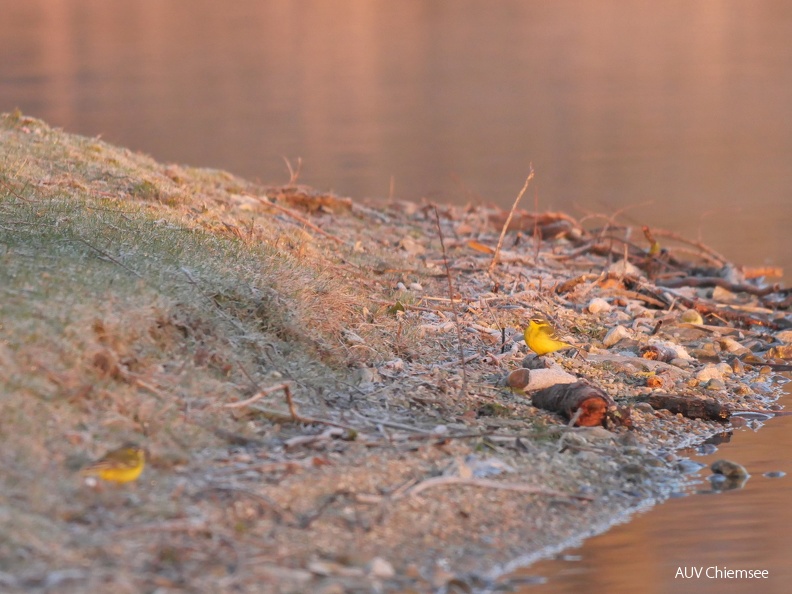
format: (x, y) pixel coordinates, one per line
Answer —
(453, 303)
(509, 218)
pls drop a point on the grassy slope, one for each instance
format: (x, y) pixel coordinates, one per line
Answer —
(128, 310)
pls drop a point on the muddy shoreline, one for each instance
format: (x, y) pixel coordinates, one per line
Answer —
(322, 413)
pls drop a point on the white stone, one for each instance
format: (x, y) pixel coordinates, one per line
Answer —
(615, 334)
(709, 372)
(598, 305)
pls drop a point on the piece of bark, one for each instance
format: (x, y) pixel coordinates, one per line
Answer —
(589, 405)
(692, 408)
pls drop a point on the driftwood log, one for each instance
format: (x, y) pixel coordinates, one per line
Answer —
(582, 404)
(690, 407)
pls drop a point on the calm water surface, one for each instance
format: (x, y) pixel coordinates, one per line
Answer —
(748, 528)
(678, 112)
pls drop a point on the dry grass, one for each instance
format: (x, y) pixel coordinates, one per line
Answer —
(135, 300)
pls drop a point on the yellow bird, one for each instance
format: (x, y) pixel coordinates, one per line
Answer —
(122, 465)
(540, 336)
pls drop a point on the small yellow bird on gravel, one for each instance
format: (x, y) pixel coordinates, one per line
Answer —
(122, 465)
(541, 338)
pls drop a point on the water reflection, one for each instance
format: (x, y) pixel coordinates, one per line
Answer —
(682, 107)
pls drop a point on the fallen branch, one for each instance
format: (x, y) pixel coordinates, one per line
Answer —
(440, 481)
(714, 281)
(692, 408)
(720, 311)
(302, 220)
(587, 405)
(704, 250)
(295, 416)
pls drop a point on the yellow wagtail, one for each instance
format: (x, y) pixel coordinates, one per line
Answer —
(122, 465)
(541, 338)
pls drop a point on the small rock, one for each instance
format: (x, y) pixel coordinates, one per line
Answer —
(625, 268)
(709, 372)
(598, 305)
(381, 569)
(679, 351)
(615, 334)
(352, 338)
(689, 466)
(416, 287)
(716, 384)
(761, 388)
(392, 365)
(411, 246)
(732, 346)
(691, 316)
(365, 376)
(780, 352)
(774, 474)
(534, 361)
(729, 469)
(785, 336)
(722, 295)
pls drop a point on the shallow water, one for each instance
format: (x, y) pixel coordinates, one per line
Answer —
(676, 112)
(749, 528)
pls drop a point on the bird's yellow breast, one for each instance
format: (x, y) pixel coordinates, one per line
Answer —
(541, 339)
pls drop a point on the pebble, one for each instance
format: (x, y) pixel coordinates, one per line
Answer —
(691, 316)
(625, 268)
(716, 384)
(785, 336)
(366, 376)
(774, 474)
(380, 568)
(689, 466)
(415, 287)
(615, 334)
(729, 469)
(710, 372)
(760, 388)
(598, 305)
(732, 346)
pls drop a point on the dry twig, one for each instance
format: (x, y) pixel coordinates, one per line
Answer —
(300, 219)
(509, 218)
(453, 304)
(440, 481)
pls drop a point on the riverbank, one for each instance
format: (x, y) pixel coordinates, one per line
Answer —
(303, 377)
